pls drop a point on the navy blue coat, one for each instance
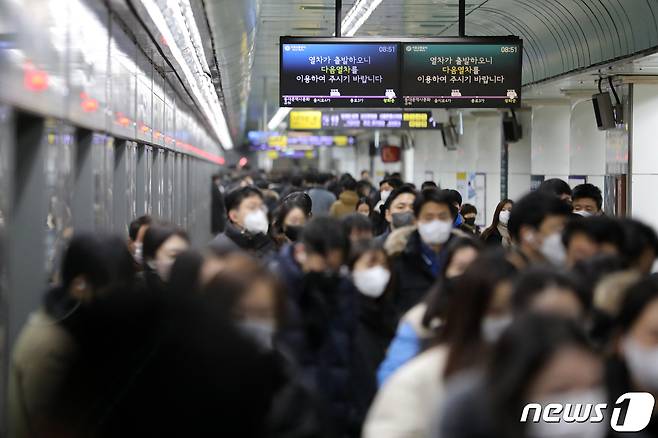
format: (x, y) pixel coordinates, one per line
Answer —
(319, 334)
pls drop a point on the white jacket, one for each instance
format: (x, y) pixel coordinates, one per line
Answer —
(404, 407)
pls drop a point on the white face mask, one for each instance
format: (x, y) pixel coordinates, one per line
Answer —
(553, 249)
(435, 232)
(584, 213)
(372, 282)
(503, 216)
(563, 429)
(384, 194)
(256, 222)
(494, 326)
(137, 255)
(260, 331)
(162, 267)
(642, 363)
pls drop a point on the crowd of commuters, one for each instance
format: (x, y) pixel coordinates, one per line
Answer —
(329, 307)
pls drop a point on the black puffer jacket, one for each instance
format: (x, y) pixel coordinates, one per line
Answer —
(411, 269)
(319, 335)
(232, 239)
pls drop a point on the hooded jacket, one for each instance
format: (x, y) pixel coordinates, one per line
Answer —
(345, 205)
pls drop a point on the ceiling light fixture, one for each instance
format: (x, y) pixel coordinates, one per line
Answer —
(278, 117)
(355, 18)
(358, 15)
(190, 66)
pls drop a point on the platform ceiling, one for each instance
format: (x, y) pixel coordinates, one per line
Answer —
(560, 36)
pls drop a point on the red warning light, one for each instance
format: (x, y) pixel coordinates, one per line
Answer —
(243, 162)
(33, 78)
(88, 104)
(123, 120)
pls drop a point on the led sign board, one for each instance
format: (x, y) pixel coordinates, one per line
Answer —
(335, 73)
(309, 120)
(267, 141)
(477, 72)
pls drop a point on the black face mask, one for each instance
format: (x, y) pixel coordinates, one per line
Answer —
(469, 221)
(403, 219)
(293, 232)
(326, 281)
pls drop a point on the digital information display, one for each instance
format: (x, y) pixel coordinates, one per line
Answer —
(339, 74)
(305, 119)
(266, 140)
(459, 75)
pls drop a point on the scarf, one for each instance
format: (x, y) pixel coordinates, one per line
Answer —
(507, 241)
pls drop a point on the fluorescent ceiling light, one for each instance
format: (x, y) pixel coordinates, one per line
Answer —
(358, 15)
(191, 66)
(355, 18)
(278, 117)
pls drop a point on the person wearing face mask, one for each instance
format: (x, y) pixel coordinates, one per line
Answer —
(363, 207)
(587, 200)
(290, 217)
(469, 213)
(248, 224)
(386, 188)
(535, 226)
(94, 266)
(540, 359)
(420, 324)
(418, 254)
(321, 318)
(634, 364)
(398, 211)
(136, 231)
(476, 315)
(497, 234)
(371, 276)
(456, 198)
(162, 244)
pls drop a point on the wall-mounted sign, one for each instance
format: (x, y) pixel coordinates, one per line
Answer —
(269, 141)
(472, 72)
(305, 120)
(390, 154)
(330, 72)
(302, 119)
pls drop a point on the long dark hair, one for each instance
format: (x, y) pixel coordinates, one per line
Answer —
(156, 235)
(463, 328)
(292, 201)
(364, 200)
(521, 353)
(494, 223)
(439, 295)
